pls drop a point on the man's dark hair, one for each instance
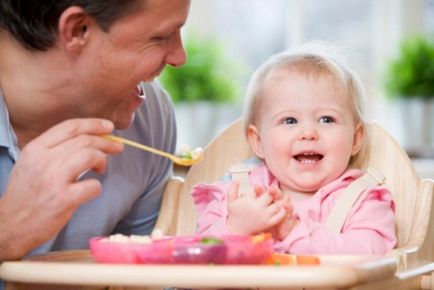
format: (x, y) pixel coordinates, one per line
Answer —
(34, 23)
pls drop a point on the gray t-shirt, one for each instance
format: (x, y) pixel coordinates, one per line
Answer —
(133, 182)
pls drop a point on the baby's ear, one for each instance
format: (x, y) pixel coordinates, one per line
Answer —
(254, 139)
(359, 135)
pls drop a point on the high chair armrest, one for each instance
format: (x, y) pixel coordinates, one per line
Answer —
(167, 218)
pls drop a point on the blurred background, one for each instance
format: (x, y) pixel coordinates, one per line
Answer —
(392, 42)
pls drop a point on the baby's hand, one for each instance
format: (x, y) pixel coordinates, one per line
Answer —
(282, 229)
(253, 212)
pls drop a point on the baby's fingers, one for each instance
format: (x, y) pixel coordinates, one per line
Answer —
(265, 199)
(275, 192)
(277, 217)
(259, 190)
(286, 203)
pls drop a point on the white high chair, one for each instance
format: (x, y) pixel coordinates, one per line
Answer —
(409, 266)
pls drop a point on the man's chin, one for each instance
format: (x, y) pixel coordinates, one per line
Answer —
(124, 123)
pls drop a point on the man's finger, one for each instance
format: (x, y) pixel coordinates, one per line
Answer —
(72, 128)
(83, 191)
(81, 161)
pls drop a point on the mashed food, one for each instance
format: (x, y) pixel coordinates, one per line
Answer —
(139, 239)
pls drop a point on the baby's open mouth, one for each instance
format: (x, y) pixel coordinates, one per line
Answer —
(308, 157)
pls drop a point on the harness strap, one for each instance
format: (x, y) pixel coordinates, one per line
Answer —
(240, 172)
(338, 215)
(350, 195)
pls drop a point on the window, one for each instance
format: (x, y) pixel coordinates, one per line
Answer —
(253, 30)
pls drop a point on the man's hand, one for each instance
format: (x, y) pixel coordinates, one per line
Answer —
(254, 212)
(43, 190)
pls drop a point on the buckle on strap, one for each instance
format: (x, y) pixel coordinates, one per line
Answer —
(239, 168)
(377, 175)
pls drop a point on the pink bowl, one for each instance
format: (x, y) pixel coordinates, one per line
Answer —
(229, 249)
(242, 250)
(131, 253)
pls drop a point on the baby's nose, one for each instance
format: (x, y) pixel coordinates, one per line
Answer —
(308, 133)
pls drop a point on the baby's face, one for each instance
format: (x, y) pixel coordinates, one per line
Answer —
(305, 130)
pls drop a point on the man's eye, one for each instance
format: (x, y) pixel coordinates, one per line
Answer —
(289, 120)
(162, 38)
(326, 119)
(166, 37)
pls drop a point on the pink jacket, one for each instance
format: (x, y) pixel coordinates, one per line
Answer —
(368, 229)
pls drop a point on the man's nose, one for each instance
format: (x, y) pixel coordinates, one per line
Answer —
(176, 55)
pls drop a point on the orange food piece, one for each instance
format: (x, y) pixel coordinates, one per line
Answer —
(261, 237)
(288, 259)
(282, 259)
(308, 260)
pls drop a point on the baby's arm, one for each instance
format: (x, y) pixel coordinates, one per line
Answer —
(369, 229)
(211, 203)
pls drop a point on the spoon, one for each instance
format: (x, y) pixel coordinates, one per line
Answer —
(175, 159)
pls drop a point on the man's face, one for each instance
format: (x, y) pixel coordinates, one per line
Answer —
(135, 49)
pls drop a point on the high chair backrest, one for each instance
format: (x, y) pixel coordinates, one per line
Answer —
(178, 213)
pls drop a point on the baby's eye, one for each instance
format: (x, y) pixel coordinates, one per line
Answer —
(326, 119)
(289, 120)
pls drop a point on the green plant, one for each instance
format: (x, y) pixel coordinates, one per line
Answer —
(207, 75)
(411, 74)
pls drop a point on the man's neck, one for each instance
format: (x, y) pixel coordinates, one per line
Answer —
(28, 88)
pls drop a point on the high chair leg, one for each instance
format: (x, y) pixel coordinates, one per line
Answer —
(427, 282)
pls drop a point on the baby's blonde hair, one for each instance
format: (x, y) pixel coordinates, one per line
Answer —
(316, 59)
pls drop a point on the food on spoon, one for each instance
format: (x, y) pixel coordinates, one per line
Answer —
(189, 154)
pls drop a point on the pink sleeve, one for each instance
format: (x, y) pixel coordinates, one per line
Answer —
(211, 204)
(369, 229)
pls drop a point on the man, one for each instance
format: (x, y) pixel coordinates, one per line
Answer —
(71, 71)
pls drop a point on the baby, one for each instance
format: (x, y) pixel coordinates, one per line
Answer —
(304, 121)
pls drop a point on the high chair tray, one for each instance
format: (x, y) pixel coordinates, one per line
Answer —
(78, 268)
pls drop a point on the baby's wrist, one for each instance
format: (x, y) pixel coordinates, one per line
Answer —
(236, 229)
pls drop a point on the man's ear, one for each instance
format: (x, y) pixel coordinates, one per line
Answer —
(359, 135)
(74, 28)
(254, 139)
